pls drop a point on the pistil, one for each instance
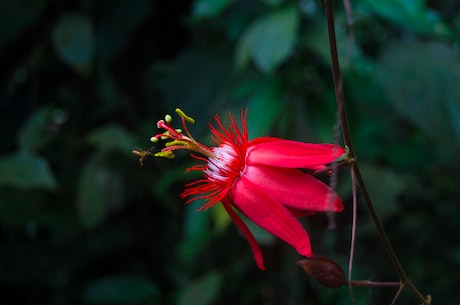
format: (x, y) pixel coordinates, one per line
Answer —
(178, 139)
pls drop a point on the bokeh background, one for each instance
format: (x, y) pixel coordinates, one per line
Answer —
(83, 82)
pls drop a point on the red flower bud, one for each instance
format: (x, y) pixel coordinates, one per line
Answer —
(324, 270)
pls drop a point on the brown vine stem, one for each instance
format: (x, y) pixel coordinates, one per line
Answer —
(374, 284)
(338, 86)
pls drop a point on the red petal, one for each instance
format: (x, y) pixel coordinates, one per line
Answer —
(270, 215)
(295, 189)
(292, 154)
(256, 251)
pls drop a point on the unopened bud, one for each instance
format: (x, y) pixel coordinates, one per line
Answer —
(324, 270)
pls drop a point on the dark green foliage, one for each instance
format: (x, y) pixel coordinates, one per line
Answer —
(82, 83)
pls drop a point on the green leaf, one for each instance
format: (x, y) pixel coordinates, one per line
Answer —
(264, 97)
(74, 41)
(202, 291)
(197, 231)
(316, 39)
(34, 134)
(210, 8)
(269, 41)
(220, 217)
(121, 289)
(100, 191)
(111, 137)
(25, 170)
(384, 186)
(118, 25)
(264, 108)
(411, 14)
(421, 80)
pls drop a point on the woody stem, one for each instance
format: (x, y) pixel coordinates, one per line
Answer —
(338, 86)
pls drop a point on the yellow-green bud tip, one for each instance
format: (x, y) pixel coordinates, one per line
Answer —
(154, 139)
(168, 118)
(183, 115)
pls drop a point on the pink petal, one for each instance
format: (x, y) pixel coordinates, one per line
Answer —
(270, 215)
(292, 154)
(294, 189)
(256, 251)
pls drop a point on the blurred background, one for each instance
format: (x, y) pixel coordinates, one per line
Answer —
(82, 83)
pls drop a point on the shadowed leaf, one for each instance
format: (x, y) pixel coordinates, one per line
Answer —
(74, 41)
(202, 291)
(25, 170)
(269, 41)
(100, 190)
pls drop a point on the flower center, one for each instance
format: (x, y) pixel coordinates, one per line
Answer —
(225, 166)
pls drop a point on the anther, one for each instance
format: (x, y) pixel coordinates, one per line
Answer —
(183, 115)
(176, 142)
(165, 154)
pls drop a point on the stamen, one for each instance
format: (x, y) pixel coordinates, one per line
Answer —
(183, 115)
(178, 138)
(165, 154)
(160, 124)
(177, 142)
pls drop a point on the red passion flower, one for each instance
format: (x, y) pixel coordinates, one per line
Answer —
(260, 178)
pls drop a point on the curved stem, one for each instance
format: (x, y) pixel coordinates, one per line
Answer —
(347, 139)
(353, 235)
(374, 284)
(395, 298)
(337, 78)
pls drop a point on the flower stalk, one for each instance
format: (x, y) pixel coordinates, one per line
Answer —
(338, 87)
